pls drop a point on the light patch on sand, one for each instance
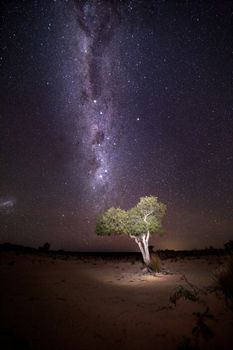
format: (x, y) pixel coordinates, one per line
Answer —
(132, 278)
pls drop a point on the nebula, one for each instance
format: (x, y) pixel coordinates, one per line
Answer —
(7, 205)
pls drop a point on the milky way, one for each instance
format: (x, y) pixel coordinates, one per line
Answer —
(96, 25)
(102, 102)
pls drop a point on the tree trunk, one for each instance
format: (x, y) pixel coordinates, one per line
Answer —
(146, 249)
(143, 242)
(143, 246)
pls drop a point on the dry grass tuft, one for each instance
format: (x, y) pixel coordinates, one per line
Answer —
(155, 264)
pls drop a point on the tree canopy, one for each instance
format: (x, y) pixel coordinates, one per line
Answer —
(145, 216)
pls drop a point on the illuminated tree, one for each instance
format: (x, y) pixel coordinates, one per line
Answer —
(138, 223)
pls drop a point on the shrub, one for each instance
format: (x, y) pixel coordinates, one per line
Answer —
(181, 292)
(200, 332)
(225, 281)
(228, 246)
(44, 248)
(155, 264)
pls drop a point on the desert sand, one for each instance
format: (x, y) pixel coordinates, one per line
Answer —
(56, 303)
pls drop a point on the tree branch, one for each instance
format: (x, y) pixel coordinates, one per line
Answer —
(145, 220)
(148, 214)
(147, 236)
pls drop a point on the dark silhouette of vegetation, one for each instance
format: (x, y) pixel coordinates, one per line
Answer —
(7, 247)
(224, 279)
(45, 248)
(132, 256)
(191, 294)
(182, 254)
(229, 247)
(181, 292)
(186, 344)
(200, 331)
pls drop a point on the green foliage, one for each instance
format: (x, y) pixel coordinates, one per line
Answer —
(113, 221)
(145, 216)
(151, 204)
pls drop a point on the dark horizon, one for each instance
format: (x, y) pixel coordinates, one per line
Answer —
(47, 248)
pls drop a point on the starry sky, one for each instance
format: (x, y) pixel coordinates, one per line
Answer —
(102, 102)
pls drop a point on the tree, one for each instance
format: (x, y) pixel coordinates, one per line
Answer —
(45, 247)
(138, 223)
(228, 246)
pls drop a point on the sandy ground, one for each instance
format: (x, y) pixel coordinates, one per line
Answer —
(58, 304)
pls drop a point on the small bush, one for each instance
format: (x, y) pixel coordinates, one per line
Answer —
(182, 292)
(44, 248)
(225, 281)
(200, 332)
(186, 344)
(228, 246)
(155, 264)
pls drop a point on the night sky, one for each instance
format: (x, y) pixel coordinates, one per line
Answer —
(102, 102)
